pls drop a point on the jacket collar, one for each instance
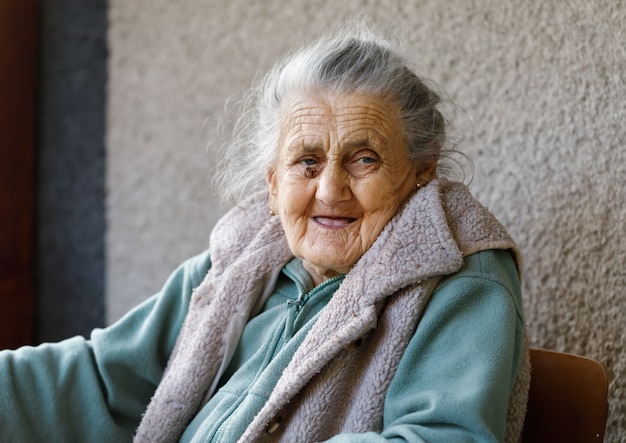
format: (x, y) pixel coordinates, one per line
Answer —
(428, 238)
(415, 245)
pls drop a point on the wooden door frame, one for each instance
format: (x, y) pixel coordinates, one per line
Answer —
(18, 104)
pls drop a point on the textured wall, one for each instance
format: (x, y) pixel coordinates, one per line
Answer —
(540, 102)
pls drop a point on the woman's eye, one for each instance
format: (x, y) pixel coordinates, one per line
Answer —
(364, 162)
(367, 160)
(309, 162)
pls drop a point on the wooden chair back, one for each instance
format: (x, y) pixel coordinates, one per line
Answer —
(567, 400)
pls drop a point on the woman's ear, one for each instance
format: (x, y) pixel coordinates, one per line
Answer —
(270, 179)
(427, 173)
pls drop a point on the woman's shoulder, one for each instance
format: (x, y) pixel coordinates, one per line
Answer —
(247, 228)
(241, 223)
(488, 273)
(196, 267)
(474, 227)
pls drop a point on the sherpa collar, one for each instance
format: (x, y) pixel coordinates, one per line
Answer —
(429, 237)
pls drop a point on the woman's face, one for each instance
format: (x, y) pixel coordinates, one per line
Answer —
(341, 174)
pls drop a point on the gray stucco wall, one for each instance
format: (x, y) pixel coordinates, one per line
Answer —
(540, 93)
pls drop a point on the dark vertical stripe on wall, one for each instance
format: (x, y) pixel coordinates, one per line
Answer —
(71, 168)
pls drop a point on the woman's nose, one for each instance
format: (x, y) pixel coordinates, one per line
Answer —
(333, 185)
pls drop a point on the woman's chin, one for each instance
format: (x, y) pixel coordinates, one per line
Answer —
(326, 265)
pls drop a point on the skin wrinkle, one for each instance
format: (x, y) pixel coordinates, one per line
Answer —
(341, 173)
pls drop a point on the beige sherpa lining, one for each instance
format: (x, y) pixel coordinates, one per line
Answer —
(428, 238)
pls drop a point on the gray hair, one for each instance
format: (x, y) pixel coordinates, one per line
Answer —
(355, 60)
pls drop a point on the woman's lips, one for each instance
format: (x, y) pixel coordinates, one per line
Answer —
(333, 222)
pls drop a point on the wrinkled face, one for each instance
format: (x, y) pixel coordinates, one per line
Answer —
(341, 174)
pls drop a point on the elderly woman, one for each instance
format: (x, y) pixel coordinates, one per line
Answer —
(358, 297)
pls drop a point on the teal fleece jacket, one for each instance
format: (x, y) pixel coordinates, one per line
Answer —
(453, 382)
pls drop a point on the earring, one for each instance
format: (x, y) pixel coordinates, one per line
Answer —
(418, 186)
(272, 213)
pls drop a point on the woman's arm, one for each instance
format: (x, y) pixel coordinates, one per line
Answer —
(455, 378)
(95, 390)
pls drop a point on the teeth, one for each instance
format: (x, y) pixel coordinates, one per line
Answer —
(334, 222)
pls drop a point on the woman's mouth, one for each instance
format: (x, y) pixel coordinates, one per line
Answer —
(333, 222)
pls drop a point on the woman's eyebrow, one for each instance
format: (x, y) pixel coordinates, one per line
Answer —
(301, 147)
(358, 143)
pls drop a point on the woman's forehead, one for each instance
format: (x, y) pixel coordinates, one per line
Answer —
(317, 114)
